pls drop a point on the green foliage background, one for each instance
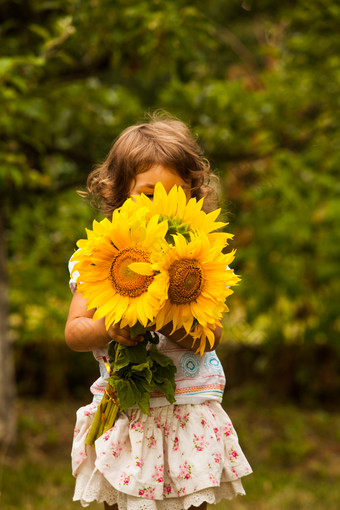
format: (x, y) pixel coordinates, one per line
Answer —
(258, 82)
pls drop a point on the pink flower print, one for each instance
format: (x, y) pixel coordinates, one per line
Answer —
(203, 422)
(124, 479)
(116, 449)
(139, 462)
(185, 471)
(137, 426)
(181, 492)
(89, 410)
(199, 443)
(182, 419)
(106, 437)
(158, 474)
(175, 445)
(213, 479)
(151, 442)
(147, 493)
(217, 457)
(166, 430)
(234, 473)
(76, 432)
(167, 489)
(227, 429)
(232, 455)
(217, 434)
(177, 412)
(157, 420)
(82, 457)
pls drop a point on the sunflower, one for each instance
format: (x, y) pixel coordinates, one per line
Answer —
(198, 284)
(183, 216)
(106, 281)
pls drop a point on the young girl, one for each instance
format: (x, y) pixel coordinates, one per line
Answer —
(186, 454)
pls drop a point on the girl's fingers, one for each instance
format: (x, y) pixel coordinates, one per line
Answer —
(124, 341)
(123, 335)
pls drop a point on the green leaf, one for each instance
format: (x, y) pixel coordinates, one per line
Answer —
(144, 403)
(159, 358)
(136, 354)
(125, 392)
(168, 389)
(137, 329)
(144, 369)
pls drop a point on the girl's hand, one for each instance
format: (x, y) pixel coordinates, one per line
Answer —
(123, 335)
(185, 341)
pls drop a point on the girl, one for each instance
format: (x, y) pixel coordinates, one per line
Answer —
(186, 454)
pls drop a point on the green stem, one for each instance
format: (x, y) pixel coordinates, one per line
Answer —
(104, 418)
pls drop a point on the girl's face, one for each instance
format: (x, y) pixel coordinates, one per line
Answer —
(146, 181)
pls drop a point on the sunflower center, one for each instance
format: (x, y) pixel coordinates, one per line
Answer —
(186, 280)
(125, 281)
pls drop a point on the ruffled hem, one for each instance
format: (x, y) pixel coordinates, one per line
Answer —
(98, 489)
(179, 456)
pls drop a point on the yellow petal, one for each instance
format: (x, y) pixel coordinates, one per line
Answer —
(142, 268)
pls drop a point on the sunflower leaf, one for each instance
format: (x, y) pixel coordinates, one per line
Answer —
(137, 329)
(144, 403)
(145, 370)
(168, 389)
(159, 358)
(136, 354)
(125, 391)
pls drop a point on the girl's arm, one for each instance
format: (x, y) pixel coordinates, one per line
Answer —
(83, 334)
(187, 342)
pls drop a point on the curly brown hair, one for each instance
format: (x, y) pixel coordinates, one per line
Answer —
(161, 140)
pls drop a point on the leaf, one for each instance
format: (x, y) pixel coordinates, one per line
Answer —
(118, 358)
(125, 392)
(169, 390)
(144, 369)
(136, 354)
(159, 358)
(137, 329)
(144, 403)
(162, 373)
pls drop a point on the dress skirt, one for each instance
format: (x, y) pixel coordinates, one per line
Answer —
(178, 456)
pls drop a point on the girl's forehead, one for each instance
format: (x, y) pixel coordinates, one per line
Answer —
(160, 173)
(147, 180)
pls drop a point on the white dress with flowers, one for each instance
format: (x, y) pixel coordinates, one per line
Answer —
(179, 456)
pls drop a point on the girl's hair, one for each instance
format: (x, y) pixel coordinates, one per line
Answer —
(161, 140)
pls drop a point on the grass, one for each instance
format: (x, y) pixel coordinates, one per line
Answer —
(295, 455)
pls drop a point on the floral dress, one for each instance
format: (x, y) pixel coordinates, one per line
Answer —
(180, 455)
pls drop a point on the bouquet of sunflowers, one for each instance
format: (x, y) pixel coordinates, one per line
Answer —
(157, 262)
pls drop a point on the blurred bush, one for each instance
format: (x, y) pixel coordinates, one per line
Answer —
(259, 83)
